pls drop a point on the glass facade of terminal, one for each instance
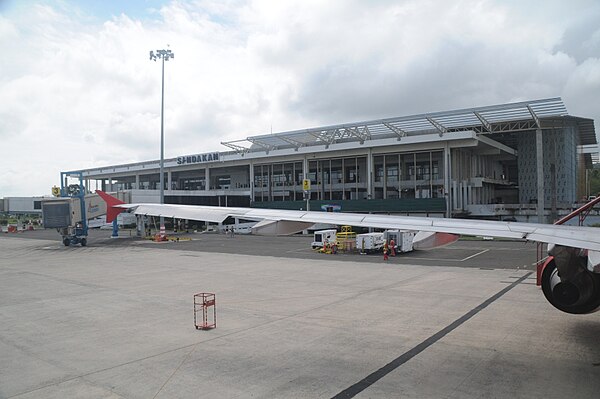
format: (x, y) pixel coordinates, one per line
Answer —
(278, 181)
(338, 178)
(409, 175)
(395, 175)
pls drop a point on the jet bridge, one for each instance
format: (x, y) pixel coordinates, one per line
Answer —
(69, 213)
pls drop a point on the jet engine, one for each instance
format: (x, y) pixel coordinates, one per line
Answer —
(567, 283)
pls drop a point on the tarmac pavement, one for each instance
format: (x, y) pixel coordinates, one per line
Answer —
(477, 253)
(115, 320)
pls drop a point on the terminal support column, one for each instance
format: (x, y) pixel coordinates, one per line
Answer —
(169, 184)
(447, 178)
(140, 228)
(207, 178)
(305, 167)
(539, 160)
(370, 174)
(251, 181)
(306, 194)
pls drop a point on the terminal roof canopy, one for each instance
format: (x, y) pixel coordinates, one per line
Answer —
(495, 119)
(502, 123)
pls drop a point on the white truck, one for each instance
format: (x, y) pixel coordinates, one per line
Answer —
(323, 236)
(369, 242)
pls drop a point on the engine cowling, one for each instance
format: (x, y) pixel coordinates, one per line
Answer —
(579, 294)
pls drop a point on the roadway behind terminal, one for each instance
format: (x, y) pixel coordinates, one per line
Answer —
(115, 320)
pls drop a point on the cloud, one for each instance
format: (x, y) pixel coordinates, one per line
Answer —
(79, 91)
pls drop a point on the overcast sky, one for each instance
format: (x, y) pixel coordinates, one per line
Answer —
(77, 88)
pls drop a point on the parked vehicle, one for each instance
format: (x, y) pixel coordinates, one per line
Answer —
(323, 236)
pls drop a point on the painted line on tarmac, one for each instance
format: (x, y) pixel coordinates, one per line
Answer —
(451, 260)
(300, 250)
(372, 378)
(474, 255)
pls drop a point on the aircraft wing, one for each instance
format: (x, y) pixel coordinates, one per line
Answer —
(289, 221)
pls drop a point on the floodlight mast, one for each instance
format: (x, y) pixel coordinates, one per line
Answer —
(164, 55)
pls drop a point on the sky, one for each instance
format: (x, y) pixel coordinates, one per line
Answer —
(78, 90)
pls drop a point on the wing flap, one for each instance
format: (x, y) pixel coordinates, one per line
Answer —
(190, 212)
(429, 240)
(279, 227)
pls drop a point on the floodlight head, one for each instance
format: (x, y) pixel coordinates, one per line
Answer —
(162, 54)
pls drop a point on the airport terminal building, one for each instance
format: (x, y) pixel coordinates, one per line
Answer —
(516, 160)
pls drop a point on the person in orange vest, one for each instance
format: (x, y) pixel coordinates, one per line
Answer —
(392, 247)
(385, 251)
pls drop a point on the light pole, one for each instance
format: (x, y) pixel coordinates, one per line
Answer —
(164, 55)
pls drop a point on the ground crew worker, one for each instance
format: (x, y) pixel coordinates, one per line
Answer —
(385, 250)
(392, 247)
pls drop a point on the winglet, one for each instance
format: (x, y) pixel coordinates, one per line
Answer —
(111, 211)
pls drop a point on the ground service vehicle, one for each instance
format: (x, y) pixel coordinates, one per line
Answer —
(369, 242)
(403, 240)
(323, 236)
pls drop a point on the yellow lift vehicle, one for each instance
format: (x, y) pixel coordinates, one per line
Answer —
(346, 239)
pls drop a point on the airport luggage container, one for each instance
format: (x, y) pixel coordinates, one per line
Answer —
(369, 242)
(403, 239)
